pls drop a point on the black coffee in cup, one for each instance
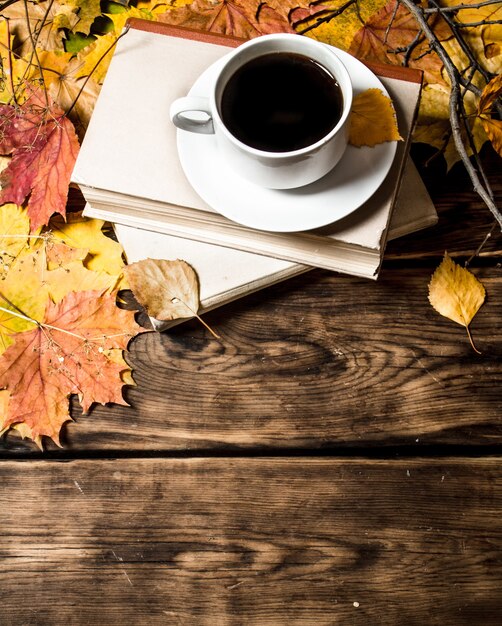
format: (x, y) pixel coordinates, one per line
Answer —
(280, 102)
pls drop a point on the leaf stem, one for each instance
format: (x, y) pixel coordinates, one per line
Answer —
(20, 315)
(471, 341)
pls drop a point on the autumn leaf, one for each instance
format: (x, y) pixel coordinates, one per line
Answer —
(456, 293)
(168, 290)
(44, 146)
(39, 267)
(95, 58)
(66, 354)
(14, 232)
(386, 35)
(372, 119)
(240, 18)
(87, 11)
(489, 33)
(45, 24)
(493, 127)
(103, 253)
(326, 23)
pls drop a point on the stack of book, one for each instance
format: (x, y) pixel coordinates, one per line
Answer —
(130, 174)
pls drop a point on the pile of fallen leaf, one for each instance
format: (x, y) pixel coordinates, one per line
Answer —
(61, 331)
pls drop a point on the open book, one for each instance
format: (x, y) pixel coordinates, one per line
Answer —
(129, 171)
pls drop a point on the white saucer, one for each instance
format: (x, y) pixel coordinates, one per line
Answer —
(356, 177)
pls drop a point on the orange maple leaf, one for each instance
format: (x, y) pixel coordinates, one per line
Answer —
(44, 146)
(386, 36)
(74, 351)
(240, 18)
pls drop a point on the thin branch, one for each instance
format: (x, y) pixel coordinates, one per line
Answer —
(110, 47)
(459, 7)
(462, 43)
(454, 107)
(327, 16)
(34, 51)
(481, 245)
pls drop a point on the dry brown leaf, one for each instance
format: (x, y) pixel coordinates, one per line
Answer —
(456, 293)
(373, 119)
(168, 290)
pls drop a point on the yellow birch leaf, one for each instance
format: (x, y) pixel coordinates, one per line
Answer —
(168, 290)
(373, 119)
(456, 293)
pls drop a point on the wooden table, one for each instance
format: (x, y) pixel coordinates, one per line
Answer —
(335, 459)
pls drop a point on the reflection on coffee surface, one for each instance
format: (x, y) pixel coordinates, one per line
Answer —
(281, 102)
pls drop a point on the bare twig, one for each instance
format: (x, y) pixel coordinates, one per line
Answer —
(110, 47)
(455, 108)
(323, 17)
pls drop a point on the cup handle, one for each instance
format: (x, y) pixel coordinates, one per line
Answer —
(182, 107)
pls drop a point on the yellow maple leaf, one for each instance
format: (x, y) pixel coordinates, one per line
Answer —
(14, 234)
(456, 293)
(340, 30)
(74, 276)
(372, 119)
(105, 254)
(95, 58)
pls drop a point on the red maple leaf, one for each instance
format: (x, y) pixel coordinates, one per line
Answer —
(44, 146)
(240, 18)
(66, 354)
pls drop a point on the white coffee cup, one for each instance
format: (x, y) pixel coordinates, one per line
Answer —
(273, 169)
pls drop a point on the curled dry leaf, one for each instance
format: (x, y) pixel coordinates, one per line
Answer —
(373, 119)
(456, 293)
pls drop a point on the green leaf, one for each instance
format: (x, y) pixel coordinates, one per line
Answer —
(75, 42)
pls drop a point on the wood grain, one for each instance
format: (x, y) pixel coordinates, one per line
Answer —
(256, 541)
(318, 361)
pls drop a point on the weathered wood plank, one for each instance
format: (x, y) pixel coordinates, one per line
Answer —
(256, 541)
(322, 360)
